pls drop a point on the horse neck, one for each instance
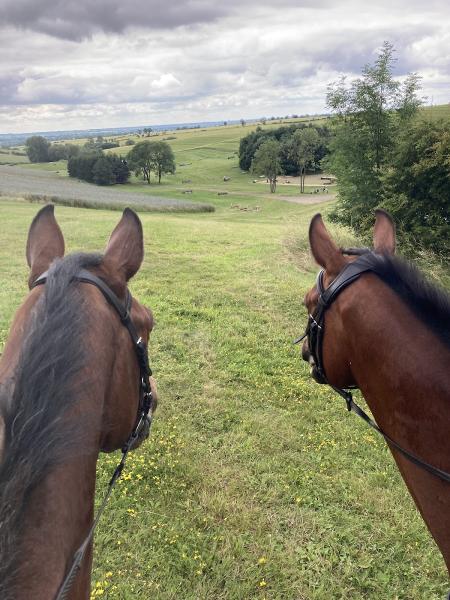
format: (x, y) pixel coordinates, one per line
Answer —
(57, 520)
(400, 365)
(58, 513)
(401, 368)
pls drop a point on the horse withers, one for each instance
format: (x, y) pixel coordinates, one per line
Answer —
(70, 387)
(377, 324)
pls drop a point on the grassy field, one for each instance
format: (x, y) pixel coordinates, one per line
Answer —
(256, 482)
(204, 157)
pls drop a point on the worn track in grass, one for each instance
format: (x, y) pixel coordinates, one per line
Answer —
(19, 181)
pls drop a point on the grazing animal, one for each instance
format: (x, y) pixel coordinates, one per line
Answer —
(70, 387)
(377, 324)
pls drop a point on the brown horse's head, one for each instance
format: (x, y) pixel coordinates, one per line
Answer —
(72, 380)
(109, 344)
(333, 260)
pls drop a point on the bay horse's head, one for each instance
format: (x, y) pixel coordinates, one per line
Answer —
(111, 349)
(74, 380)
(328, 353)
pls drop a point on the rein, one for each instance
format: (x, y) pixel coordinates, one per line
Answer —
(144, 414)
(315, 332)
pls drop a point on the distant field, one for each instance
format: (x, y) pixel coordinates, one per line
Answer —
(441, 111)
(203, 159)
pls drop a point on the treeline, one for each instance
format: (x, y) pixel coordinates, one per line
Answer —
(285, 137)
(384, 156)
(40, 150)
(99, 168)
(287, 150)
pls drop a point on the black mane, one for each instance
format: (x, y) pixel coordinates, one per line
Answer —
(429, 302)
(33, 403)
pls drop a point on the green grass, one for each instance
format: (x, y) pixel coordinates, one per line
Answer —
(256, 483)
(203, 158)
(441, 111)
(13, 157)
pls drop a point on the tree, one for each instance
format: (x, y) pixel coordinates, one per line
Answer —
(102, 171)
(37, 148)
(119, 168)
(416, 188)
(140, 159)
(267, 162)
(289, 166)
(303, 146)
(62, 152)
(163, 159)
(370, 114)
(82, 166)
(147, 156)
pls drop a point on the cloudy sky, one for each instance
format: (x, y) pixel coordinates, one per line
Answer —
(75, 64)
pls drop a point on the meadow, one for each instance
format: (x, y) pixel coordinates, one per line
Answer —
(256, 483)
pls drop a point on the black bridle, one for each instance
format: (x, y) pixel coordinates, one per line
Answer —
(144, 414)
(315, 334)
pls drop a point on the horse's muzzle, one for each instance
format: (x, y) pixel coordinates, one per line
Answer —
(308, 357)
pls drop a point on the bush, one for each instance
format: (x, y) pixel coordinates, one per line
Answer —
(416, 188)
(95, 167)
(37, 148)
(102, 172)
(82, 166)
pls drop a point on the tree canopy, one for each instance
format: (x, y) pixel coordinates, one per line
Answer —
(303, 146)
(417, 187)
(96, 167)
(267, 162)
(148, 156)
(370, 114)
(37, 148)
(289, 165)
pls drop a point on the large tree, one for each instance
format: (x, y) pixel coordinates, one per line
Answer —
(370, 115)
(267, 162)
(147, 156)
(163, 159)
(37, 148)
(303, 146)
(140, 159)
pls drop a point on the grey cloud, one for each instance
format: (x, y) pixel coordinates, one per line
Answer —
(79, 19)
(8, 88)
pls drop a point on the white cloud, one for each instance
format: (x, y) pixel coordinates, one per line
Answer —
(202, 62)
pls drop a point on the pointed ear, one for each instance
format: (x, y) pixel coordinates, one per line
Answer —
(324, 250)
(384, 233)
(45, 242)
(125, 250)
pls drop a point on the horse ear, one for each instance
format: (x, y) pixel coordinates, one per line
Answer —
(324, 250)
(45, 242)
(125, 250)
(384, 233)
